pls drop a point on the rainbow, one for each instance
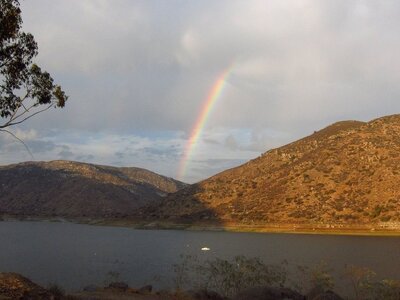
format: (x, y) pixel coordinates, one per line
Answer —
(198, 127)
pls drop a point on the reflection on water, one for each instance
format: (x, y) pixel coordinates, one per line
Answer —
(78, 255)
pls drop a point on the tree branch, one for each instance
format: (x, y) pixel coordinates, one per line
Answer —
(28, 117)
(21, 141)
(20, 115)
(19, 75)
(14, 116)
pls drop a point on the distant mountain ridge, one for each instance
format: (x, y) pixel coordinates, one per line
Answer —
(346, 173)
(73, 189)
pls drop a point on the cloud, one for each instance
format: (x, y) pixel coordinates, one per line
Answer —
(211, 141)
(85, 157)
(231, 142)
(136, 69)
(150, 65)
(168, 152)
(66, 154)
(119, 154)
(26, 135)
(40, 146)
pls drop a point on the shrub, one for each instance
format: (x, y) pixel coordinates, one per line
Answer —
(387, 290)
(56, 290)
(361, 280)
(377, 211)
(315, 278)
(228, 277)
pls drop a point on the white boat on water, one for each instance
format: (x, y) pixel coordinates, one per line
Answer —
(205, 249)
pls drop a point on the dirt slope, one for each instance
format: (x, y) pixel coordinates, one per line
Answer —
(347, 173)
(72, 189)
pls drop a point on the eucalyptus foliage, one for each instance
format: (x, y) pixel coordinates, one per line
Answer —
(25, 89)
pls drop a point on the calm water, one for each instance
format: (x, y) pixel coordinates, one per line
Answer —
(78, 255)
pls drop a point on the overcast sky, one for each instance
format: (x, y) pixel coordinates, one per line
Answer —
(138, 72)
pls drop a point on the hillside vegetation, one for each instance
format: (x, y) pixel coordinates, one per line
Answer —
(79, 190)
(347, 173)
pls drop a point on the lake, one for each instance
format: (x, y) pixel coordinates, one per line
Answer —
(75, 255)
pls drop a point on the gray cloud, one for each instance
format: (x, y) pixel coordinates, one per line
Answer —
(231, 142)
(150, 65)
(144, 68)
(66, 154)
(24, 142)
(210, 141)
(165, 152)
(39, 146)
(85, 157)
(119, 154)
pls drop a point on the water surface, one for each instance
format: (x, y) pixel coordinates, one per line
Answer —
(75, 255)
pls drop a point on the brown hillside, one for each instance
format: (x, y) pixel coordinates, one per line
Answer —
(72, 189)
(347, 173)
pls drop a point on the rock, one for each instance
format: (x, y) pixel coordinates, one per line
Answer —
(164, 293)
(269, 293)
(314, 292)
(118, 285)
(145, 289)
(16, 287)
(328, 295)
(205, 295)
(90, 288)
(318, 293)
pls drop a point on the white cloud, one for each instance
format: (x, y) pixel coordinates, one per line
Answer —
(26, 135)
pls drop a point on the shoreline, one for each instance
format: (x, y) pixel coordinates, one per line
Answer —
(306, 229)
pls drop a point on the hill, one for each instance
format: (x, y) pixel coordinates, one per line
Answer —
(79, 190)
(347, 173)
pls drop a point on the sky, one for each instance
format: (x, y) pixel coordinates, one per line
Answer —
(138, 74)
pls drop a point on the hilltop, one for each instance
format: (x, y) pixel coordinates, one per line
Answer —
(347, 173)
(344, 176)
(79, 190)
